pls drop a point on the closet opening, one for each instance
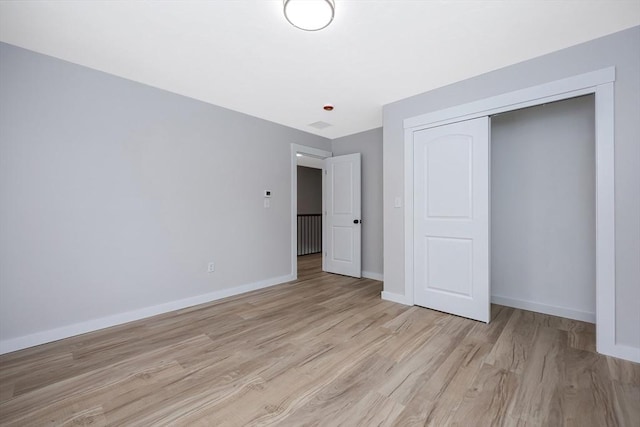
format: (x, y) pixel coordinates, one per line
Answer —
(543, 208)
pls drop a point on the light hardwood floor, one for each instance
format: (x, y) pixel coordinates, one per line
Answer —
(325, 350)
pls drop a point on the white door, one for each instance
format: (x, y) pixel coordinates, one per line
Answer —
(451, 218)
(342, 219)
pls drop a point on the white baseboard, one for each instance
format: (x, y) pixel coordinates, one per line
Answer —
(544, 308)
(19, 343)
(622, 351)
(390, 296)
(372, 275)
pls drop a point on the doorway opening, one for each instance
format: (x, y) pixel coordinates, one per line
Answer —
(309, 213)
(312, 158)
(341, 210)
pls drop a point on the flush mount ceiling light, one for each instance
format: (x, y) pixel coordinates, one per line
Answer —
(309, 15)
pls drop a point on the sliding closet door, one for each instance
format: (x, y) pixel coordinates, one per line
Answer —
(451, 218)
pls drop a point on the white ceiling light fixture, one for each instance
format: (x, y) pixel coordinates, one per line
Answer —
(309, 15)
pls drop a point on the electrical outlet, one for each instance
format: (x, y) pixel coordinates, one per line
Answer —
(211, 267)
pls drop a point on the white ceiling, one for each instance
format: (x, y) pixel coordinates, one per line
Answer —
(244, 55)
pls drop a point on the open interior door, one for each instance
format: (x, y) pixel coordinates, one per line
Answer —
(451, 218)
(342, 215)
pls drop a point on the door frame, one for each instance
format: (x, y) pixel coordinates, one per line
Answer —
(307, 151)
(601, 84)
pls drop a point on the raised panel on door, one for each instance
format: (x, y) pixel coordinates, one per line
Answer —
(342, 188)
(448, 160)
(448, 265)
(451, 218)
(342, 243)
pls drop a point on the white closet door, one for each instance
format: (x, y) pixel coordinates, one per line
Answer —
(451, 218)
(342, 242)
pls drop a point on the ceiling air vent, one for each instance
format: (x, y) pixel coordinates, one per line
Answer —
(320, 125)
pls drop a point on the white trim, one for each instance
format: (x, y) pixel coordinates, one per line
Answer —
(19, 343)
(324, 216)
(309, 151)
(625, 352)
(390, 296)
(598, 82)
(371, 275)
(408, 216)
(544, 308)
(605, 222)
(570, 87)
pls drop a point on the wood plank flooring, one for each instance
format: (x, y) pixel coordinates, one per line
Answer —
(322, 351)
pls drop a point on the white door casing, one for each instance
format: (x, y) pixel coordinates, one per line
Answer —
(342, 215)
(451, 218)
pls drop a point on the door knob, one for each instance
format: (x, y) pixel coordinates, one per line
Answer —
(356, 221)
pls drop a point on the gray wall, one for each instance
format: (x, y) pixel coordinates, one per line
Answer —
(309, 190)
(543, 205)
(369, 143)
(115, 195)
(621, 50)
